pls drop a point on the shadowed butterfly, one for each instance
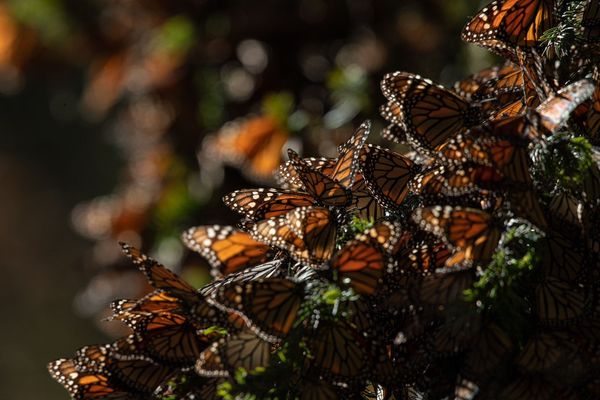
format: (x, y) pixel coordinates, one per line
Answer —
(387, 174)
(473, 232)
(269, 307)
(160, 277)
(243, 349)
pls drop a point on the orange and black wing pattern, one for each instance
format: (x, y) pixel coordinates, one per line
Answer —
(226, 248)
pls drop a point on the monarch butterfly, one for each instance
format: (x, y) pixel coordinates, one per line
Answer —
(444, 288)
(160, 277)
(360, 265)
(390, 236)
(456, 332)
(169, 338)
(121, 362)
(227, 249)
(543, 351)
(257, 204)
(505, 141)
(468, 86)
(364, 204)
(556, 110)
(562, 258)
(565, 209)
(558, 302)
(252, 144)
(242, 349)
(490, 348)
(338, 351)
(154, 302)
(425, 257)
(395, 131)
(307, 233)
(474, 232)
(269, 307)
(87, 385)
(504, 25)
(387, 174)
(431, 113)
(287, 177)
(271, 269)
(324, 189)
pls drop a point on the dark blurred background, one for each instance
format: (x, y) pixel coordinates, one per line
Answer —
(110, 129)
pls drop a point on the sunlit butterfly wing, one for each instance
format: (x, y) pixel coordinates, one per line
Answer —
(346, 166)
(262, 203)
(317, 227)
(387, 174)
(226, 249)
(160, 277)
(324, 189)
(432, 114)
(84, 385)
(504, 25)
(269, 306)
(154, 302)
(287, 177)
(360, 265)
(389, 236)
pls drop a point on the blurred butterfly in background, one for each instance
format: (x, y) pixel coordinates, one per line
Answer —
(314, 182)
(253, 145)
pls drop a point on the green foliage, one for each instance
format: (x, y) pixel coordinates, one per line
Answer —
(566, 160)
(279, 106)
(176, 35)
(48, 17)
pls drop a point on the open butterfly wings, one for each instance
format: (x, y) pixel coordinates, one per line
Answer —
(227, 249)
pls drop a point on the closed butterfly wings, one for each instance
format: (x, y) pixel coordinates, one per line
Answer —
(431, 113)
(473, 232)
(504, 25)
(307, 233)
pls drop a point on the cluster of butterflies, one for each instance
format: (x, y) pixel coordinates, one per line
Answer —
(463, 269)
